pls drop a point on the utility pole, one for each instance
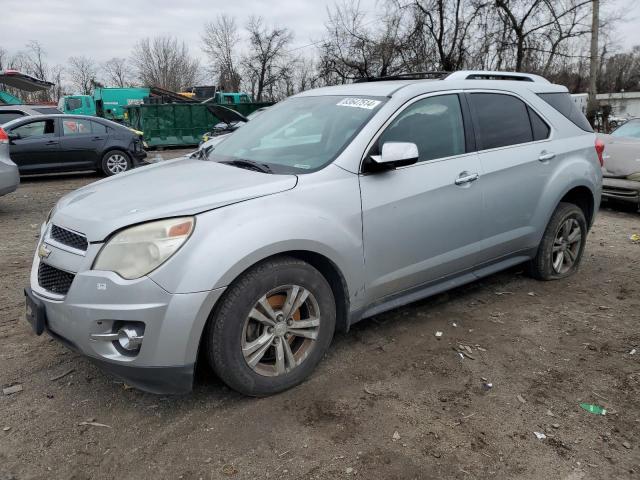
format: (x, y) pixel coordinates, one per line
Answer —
(592, 104)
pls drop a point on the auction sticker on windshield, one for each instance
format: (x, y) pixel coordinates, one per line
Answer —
(367, 103)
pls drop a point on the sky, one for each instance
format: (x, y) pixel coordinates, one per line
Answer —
(102, 29)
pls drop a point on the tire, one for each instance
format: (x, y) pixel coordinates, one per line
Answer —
(114, 162)
(555, 241)
(235, 331)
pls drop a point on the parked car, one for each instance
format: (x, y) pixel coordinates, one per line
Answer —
(62, 143)
(621, 170)
(332, 206)
(9, 176)
(11, 112)
(230, 121)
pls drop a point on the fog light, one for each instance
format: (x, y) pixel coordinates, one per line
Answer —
(130, 338)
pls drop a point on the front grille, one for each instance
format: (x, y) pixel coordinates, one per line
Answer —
(69, 238)
(53, 279)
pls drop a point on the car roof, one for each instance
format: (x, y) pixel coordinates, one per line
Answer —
(63, 116)
(24, 107)
(383, 87)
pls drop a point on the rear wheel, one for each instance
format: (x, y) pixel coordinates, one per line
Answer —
(114, 162)
(272, 328)
(562, 245)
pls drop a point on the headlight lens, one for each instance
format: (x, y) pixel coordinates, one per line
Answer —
(138, 250)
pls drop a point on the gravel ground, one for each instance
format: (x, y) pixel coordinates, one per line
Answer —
(390, 400)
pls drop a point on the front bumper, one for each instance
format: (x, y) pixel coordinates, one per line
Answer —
(621, 189)
(97, 302)
(138, 157)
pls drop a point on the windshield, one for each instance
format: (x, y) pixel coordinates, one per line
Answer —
(298, 135)
(629, 129)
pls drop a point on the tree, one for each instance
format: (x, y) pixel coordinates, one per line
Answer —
(352, 49)
(265, 64)
(447, 24)
(82, 74)
(529, 19)
(592, 105)
(116, 72)
(221, 41)
(164, 62)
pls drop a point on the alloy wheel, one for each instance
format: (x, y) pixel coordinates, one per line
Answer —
(566, 246)
(281, 330)
(117, 163)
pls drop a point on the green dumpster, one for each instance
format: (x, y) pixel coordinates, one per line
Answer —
(178, 124)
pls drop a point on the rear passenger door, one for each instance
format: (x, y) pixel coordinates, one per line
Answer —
(517, 157)
(79, 145)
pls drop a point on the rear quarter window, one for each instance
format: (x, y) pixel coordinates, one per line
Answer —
(564, 104)
(501, 120)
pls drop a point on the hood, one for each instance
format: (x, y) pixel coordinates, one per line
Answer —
(621, 156)
(168, 189)
(226, 114)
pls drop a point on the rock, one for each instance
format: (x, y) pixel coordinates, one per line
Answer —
(521, 398)
(349, 470)
(6, 429)
(12, 389)
(626, 444)
(396, 436)
(555, 425)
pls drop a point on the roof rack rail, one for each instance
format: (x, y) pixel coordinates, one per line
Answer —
(496, 75)
(406, 76)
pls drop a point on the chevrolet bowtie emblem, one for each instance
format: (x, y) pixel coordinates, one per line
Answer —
(43, 251)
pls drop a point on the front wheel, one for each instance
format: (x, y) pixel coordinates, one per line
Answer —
(114, 162)
(272, 328)
(562, 245)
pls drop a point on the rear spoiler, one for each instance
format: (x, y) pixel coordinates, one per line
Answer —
(22, 81)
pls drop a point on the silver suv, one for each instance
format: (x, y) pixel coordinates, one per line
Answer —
(332, 206)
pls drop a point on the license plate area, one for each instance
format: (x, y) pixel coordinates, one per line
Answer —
(35, 312)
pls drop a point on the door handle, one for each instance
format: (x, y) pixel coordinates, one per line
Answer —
(51, 142)
(466, 177)
(546, 156)
(95, 139)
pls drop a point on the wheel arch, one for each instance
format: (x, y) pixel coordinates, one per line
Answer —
(111, 148)
(582, 197)
(327, 268)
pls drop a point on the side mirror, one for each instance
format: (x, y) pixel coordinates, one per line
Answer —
(13, 136)
(394, 155)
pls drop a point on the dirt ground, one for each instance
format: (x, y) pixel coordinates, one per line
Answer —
(390, 400)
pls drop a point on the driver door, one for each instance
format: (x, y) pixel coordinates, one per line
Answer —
(37, 146)
(422, 222)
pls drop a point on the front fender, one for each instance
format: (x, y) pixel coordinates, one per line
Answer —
(321, 218)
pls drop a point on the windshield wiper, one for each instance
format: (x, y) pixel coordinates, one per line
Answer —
(249, 165)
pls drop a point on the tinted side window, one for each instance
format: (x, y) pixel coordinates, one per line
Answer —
(8, 116)
(501, 120)
(98, 128)
(35, 129)
(434, 124)
(540, 128)
(563, 103)
(75, 126)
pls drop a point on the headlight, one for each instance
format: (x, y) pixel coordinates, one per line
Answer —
(136, 251)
